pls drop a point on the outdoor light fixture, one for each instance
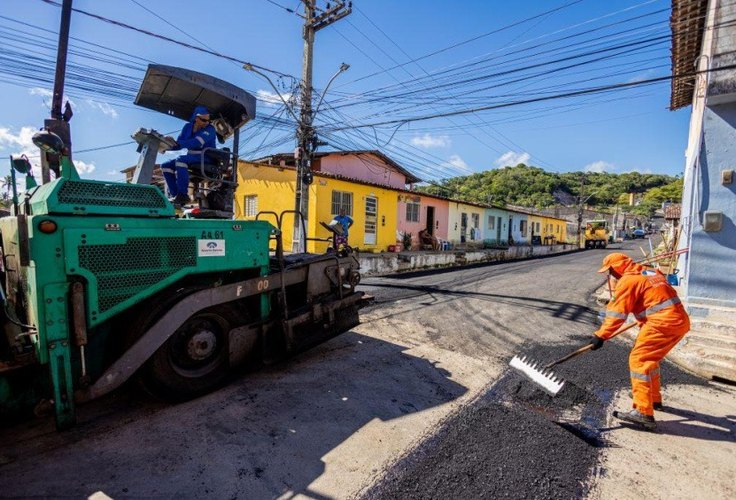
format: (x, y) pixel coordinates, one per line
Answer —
(712, 221)
(726, 177)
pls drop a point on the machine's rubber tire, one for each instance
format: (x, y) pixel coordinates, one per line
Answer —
(194, 360)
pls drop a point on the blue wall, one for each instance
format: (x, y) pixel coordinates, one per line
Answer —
(711, 275)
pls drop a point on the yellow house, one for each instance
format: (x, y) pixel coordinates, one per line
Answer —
(373, 207)
(553, 230)
(547, 230)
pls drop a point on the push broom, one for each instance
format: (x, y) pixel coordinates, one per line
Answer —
(543, 375)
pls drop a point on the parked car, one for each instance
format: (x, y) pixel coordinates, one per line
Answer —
(639, 233)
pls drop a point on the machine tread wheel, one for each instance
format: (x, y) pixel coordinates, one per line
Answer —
(174, 374)
(194, 360)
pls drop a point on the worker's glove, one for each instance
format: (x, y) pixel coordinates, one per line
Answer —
(597, 343)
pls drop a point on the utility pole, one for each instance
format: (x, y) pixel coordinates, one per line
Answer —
(580, 209)
(59, 122)
(313, 22)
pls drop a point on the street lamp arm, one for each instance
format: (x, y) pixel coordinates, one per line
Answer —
(343, 67)
(249, 67)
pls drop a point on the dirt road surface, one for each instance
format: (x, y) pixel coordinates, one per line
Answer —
(415, 402)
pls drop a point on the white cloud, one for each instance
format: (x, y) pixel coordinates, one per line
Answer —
(271, 98)
(599, 167)
(104, 107)
(42, 92)
(20, 143)
(429, 141)
(645, 75)
(47, 95)
(456, 162)
(83, 167)
(511, 159)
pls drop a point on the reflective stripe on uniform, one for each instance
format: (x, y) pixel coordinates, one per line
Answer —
(614, 314)
(656, 308)
(201, 141)
(181, 164)
(640, 376)
(168, 169)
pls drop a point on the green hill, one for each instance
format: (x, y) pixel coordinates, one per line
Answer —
(534, 187)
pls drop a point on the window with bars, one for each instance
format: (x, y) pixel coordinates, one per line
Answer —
(342, 199)
(412, 212)
(522, 228)
(491, 222)
(251, 205)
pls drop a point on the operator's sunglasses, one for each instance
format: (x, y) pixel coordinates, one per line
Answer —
(205, 120)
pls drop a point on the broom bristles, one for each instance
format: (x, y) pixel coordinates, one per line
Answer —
(546, 379)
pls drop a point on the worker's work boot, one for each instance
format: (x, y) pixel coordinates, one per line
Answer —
(636, 417)
(182, 199)
(658, 406)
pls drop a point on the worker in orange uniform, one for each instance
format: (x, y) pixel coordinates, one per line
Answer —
(645, 293)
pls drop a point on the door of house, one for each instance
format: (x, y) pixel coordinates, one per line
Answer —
(430, 220)
(498, 230)
(371, 220)
(475, 230)
(511, 237)
(463, 227)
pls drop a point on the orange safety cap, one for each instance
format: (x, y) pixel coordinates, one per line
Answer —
(616, 261)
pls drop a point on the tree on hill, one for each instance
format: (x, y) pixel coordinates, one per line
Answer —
(534, 187)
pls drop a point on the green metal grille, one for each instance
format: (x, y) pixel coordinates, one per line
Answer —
(110, 195)
(125, 270)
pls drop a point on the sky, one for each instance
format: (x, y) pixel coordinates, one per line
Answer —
(443, 88)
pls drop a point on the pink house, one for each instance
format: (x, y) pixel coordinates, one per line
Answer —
(419, 211)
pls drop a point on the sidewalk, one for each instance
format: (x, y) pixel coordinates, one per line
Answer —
(692, 454)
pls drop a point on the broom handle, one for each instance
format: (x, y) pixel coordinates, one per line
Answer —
(588, 347)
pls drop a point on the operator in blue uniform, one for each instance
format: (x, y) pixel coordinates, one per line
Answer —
(195, 136)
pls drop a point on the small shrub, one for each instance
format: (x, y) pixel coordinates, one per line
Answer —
(406, 241)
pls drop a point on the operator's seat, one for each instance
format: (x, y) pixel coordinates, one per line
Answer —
(212, 182)
(215, 165)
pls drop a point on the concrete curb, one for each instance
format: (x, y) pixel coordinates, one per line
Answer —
(390, 263)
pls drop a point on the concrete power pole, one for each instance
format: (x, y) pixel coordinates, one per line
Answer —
(59, 121)
(313, 22)
(581, 203)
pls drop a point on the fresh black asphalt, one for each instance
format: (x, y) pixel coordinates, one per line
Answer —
(516, 441)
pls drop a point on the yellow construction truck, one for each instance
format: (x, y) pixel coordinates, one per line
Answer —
(596, 234)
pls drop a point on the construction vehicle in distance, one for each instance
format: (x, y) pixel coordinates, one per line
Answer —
(104, 281)
(596, 234)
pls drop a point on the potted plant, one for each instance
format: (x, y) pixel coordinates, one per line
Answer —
(406, 241)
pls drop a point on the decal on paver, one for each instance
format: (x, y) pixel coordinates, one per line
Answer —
(211, 248)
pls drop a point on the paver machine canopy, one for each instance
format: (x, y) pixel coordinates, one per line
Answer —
(177, 91)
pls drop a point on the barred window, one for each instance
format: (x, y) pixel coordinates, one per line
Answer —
(412, 212)
(251, 205)
(491, 222)
(341, 199)
(522, 228)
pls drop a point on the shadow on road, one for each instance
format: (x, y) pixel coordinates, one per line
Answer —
(265, 435)
(558, 309)
(698, 425)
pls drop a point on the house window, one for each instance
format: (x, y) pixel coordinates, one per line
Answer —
(341, 199)
(522, 228)
(412, 212)
(491, 222)
(251, 205)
